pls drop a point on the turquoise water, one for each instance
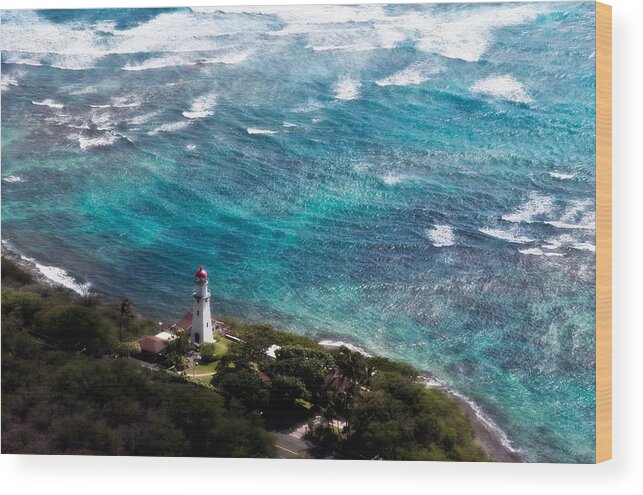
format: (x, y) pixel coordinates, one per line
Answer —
(416, 180)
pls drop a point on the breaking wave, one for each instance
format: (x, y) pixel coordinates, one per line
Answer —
(170, 127)
(202, 107)
(347, 88)
(12, 179)
(339, 343)
(503, 87)
(412, 75)
(252, 130)
(539, 252)
(578, 215)
(537, 205)
(505, 235)
(561, 176)
(441, 236)
(48, 103)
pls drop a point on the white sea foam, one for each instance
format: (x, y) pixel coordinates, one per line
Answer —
(489, 424)
(347, 88)
(504, 87)
(505, 235)
(339, 343)
(565, 225)
(412, 75)
(186, 59)
(59, 276)
(584, 246)
(288, 124)
(252, 130)
(368, 27)
(142, 119)
(120, 102)
(84, 91)
(11, 179)
(391, 179)
(48, 103)
(202, 106)
(102, 121)
(93, 142)
(570, 242)
(441, 235)
(170, 127)
(190, 147)
(8, 81)
(537, 205)
(578, 215)
(561, 176)
(31, 39)
(539, 252)
(21, 59)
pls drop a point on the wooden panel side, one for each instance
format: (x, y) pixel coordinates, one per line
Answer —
(603, 232)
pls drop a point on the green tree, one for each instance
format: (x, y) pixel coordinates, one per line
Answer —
(126, 311)
(21, 305)
(351, 365)
(208, 352)
(309, 365)
(79, 328)
(245, 386)
(285, 390)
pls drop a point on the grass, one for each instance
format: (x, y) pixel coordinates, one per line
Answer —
(204, 368)
(221, 347)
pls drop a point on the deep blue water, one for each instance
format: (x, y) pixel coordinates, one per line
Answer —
(416, 180)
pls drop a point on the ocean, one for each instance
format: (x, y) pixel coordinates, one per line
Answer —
(416, 180)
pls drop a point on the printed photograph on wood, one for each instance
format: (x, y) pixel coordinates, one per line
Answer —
(372, 232)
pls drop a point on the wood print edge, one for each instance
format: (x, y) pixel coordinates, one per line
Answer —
(603, 232)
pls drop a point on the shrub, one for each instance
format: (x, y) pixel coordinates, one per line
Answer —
(79, 328)
(12, 272)
(208, 352)
(128, 348)
(21, 305)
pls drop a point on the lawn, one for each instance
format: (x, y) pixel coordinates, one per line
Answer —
(221, 347)
(203, 368)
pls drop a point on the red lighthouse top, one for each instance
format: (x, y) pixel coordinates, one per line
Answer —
(201, 273)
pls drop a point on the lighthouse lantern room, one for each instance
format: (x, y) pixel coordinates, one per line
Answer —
(201, 320)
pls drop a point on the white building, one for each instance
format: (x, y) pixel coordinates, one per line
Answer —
(202, 329)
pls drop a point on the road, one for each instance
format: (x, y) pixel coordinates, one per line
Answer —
(291, 444)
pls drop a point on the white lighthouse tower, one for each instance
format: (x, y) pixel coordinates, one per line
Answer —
(201, 319)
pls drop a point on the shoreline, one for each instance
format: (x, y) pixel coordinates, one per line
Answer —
(48, 276)
(488, 435)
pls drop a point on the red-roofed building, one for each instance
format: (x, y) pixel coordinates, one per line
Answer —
(186, 324)
(151, 344)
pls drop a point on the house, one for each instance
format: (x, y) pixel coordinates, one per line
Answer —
(151, 344)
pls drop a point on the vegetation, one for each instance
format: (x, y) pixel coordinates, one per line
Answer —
(176, 352)
(375, 407)
(13, 274)
(64, 390)
(55, 401)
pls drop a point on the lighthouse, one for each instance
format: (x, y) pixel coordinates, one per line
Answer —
(201, 320)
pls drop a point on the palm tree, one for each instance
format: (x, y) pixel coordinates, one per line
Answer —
(125, 310)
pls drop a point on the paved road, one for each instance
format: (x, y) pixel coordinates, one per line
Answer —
(291, 444)
(291, 448)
